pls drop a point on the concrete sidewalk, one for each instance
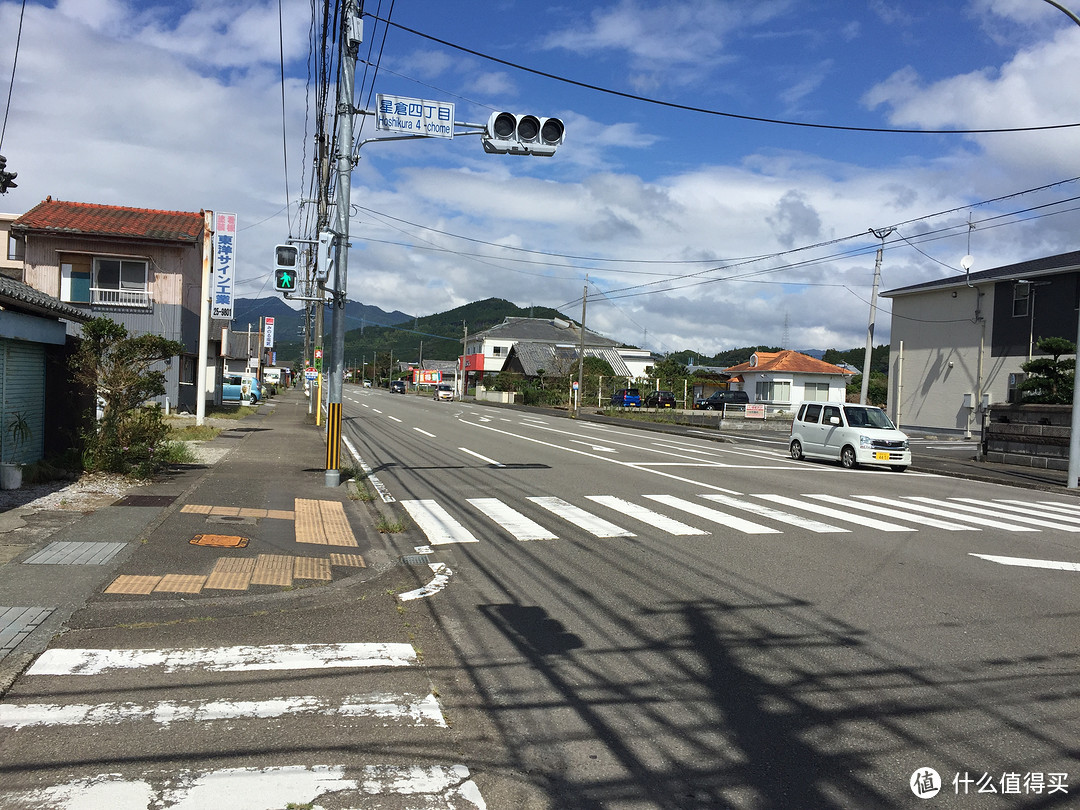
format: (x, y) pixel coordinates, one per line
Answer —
(258, 524)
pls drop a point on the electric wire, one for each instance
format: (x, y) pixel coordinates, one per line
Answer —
(14, 65)
(706, 111)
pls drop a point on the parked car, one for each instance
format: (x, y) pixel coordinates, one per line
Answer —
(660, 399)
(397, 386)
(850, 434)
(718, 399)
(367, 383)
(444, 392)
(626, 398)
(240, 388)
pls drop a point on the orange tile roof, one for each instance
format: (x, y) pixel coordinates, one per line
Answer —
(786, 360)
(88, 219)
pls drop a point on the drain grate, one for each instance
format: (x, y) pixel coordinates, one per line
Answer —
(416, 559)
(146, 500)
(219, 540)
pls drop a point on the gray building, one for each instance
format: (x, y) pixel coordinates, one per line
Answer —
(958, 343)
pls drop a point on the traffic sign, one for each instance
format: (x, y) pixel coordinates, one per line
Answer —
(311, 374)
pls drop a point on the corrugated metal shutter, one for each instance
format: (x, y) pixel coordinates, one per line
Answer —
(23, 376)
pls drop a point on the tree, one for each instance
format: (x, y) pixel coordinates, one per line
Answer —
(117, 367)
(1050, 379)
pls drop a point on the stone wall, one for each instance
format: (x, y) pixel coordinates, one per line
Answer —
(1029, 435)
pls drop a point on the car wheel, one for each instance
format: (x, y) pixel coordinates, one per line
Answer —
(796, 450)
(847, 457)
(710, 408)
(253, 399)
(899, 468)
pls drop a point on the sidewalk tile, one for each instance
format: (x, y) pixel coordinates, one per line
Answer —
(181, 583)
(313, 568)
(273, 569)
(133, 584)
(231, 574)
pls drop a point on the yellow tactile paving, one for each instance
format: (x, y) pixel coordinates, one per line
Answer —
(181, 583)
(196, 509)
(131, 583)
(281, 514)
(348, 560)
(312, 568)
(231, 574)
(322, 522)
(273, 569)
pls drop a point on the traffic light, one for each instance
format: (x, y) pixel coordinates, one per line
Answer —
(285, 260)
(322, 261)
(7, 179)
(508, 133)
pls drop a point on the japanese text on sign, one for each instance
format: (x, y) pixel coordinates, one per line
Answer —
(415, 116)
(268, 334)
(221, 296)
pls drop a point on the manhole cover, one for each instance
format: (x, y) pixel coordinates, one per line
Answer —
(219, 540)
(146, 500)
(416, 559)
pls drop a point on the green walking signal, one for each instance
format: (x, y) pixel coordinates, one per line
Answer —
(285, 260)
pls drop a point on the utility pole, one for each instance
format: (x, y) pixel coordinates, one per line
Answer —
(581, 349)
(881, 233)
(351, 37)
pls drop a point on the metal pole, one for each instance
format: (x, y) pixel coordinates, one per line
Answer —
(880, 234)
(346, 76)
(204, 317)
(581, 347)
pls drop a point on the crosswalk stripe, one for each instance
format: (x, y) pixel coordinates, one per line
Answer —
(645, 515)
(776, 514)
(949, 513)
(591, 523)
(964, 505)
(1058, 506)
(433, 787)
(61, 661)
(1027, 508)
(880, 525)
(437, 523)
(406, 710)
(714, 515)
(884, 511)
(520, 526)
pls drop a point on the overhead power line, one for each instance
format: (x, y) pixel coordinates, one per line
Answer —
(706, 111)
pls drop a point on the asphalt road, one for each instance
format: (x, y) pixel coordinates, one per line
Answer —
(597, 616)
(640, 620)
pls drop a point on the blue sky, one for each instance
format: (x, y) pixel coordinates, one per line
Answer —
(695, 229)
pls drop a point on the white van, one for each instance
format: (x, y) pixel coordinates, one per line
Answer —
(850, 434)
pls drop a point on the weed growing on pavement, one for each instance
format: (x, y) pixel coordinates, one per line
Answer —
(386, 526)
(193, 433)
(360, 492)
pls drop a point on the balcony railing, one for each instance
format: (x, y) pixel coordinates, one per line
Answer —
(100, 296)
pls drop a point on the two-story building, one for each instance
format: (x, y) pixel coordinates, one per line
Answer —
(486, 352)
(957, 344)
(142, 268)
(788, 378)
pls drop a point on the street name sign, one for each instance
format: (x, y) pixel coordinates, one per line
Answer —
(414, 116)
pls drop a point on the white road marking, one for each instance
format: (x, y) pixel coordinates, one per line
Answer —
(715, 515)
(429, 435)
(885, 511)
(948, 513)
(520, 526)
(599, 448)
(437, 523)
(963, 506)
(775, 514)
(836, 514)
(399, 421)
(1028, 563)
(473, 453)
(1026, 509)
(435, 787)
(409, 710)
(60, 661)
(645, 515)
(437, 583)
(583, 520)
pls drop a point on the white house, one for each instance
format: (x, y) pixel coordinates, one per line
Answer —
(788, 378)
